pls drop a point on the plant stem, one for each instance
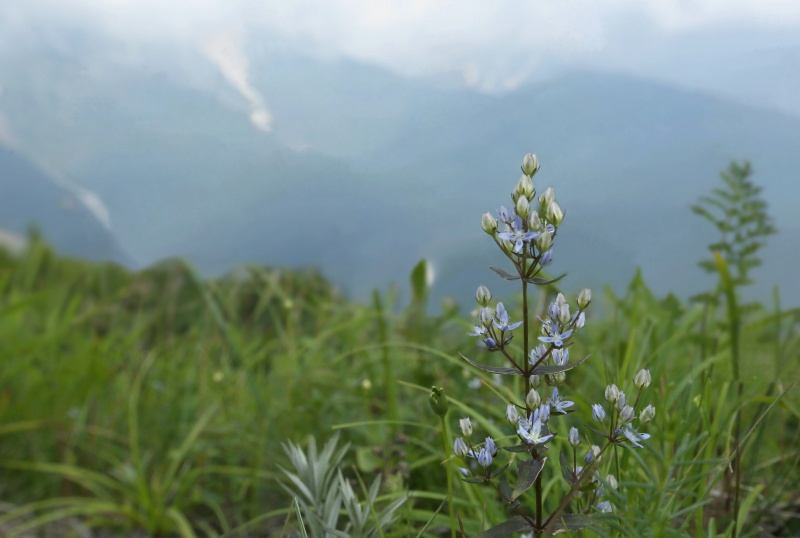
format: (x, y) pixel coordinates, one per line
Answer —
(449, 469)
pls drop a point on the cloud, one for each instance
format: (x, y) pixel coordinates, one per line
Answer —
(226, 52)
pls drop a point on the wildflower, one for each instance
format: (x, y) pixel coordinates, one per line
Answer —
(574, 438)
(525, 187)
(543, 412)
(563, 314)
(547, 257)
(501, 319)
(612, 393)
(560, 357)
(547, 196)
(633, 436)
(620, 401)
(627, 414)
(479, 330)
(483, 296)
(647, 414)
(490, 343)
(642, 379)
(533, 436)
(530, 164)
(604, 506)
(490, 445)
(488, 223)
(484, 458)
(555, 337)
(464, 471)
(535, 381)
(533, 399)
(485, 316)
(544, 240)
(593, 454)
(534, 222)
(598, 413)
(581, 321)
(584, 298)
(511, 413)
(558, 404)
(466, 426)
(460, 448)
(516, 234)
(554, 213)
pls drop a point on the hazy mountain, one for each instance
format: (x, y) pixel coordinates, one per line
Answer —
(366, 172)
(29, 198)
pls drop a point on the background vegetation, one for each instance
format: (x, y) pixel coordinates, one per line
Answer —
(156, 402)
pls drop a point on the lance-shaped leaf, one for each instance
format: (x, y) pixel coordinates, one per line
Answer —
(566, 469)
(500, 470)
(505, 489)
(527, 472)
(491, 369)
(538, 281)
(476, 480)
(573, 522)
(516, 448)
(507, 528)
(504, 274)
(554, 368)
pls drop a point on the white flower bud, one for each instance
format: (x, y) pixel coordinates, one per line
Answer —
(507, 246)
(547, 196)
(489, 223)
(525, 187)
(642, 379)
(598, 413)
(523, 207)
(544, 241)
(530, 164)
(486, 316)
(563, 314)
(554, 213)
(512, 416)
(460, 448)
(627, 414)
(612, 481)
(535, 381)
(558, 378)
(620, 401)
(647, 414)
(533, 399)
(574, 437)
(466, 426)
(561, 300)
(534, 222)
(483, 295)
(584, 298)
(612, 394)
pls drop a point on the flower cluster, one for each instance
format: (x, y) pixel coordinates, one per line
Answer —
(525, 234)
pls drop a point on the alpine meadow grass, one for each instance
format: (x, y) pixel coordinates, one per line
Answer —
(266, 403)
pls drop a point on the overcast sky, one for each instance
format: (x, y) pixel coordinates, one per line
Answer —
(742, 49)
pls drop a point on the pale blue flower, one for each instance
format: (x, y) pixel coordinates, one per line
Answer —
(554, 337)
(533, 436)
(547, 257)
(501, 321)
(480, 330)
(464, 471)
(484, 457)
(490, 343)
(604, 506)
(633, 436)
(598, 413)
(558, 404)
(490, 446)
(460, 448)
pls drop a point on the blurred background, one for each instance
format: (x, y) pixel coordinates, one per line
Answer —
(359, 137)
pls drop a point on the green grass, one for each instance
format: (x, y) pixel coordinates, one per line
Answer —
(159, 401)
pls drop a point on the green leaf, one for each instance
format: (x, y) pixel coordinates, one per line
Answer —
(543, 281)
(419, 283)
(492, 369)
(516, 448)
(572, 522)
(507, 528)
(554, 369)
(566, 469)
(500, 470)
(527, 472)
(504, 274)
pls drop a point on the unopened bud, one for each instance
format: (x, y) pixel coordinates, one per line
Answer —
(483, 295)
(612, 481)
(535, 381)
(525, 187)
(598, 413)
(563, 314)
(466, 426)
(533, 399)
(612, 394)
(489, 223)
(523, 207)
(561, 300)
(438, 401)
(485, 316)
(621, 399)
(574, 437)
(507, 246)
(547, 196)
(647, 414)
(512, 416)
(530, 164)
(460, 448)
(544, 241)
(534, 222)
(642, 379)
(554, 213)
(584, 298)
(627, 414)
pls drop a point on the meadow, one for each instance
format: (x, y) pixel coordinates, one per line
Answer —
(160, 403)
